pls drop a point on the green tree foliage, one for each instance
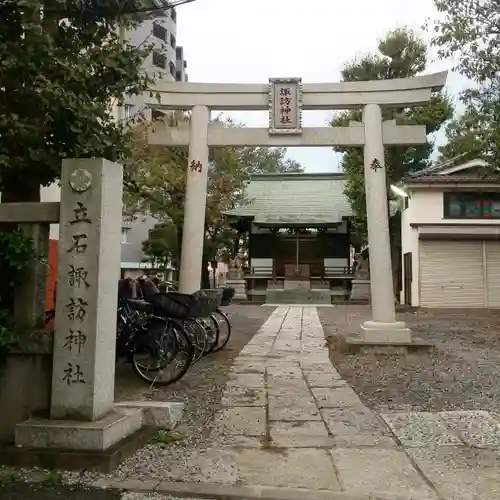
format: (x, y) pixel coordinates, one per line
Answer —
(401, 54)
(156, 179)
(475, 133)
(62, 65)
(161, 247)
(469, 30)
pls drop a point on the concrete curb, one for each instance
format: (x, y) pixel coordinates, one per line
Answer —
(235, 492)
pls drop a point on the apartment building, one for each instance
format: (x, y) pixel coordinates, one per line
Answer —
(159, 31)
(181, 65)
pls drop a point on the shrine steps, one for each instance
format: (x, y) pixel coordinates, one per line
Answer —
(298, 296)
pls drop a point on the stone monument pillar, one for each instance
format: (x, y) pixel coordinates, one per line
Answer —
(235, 277)
(195, 202)
(82, 414)
(361, 282)
(383, 328)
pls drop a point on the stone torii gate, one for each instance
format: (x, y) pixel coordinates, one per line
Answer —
(285, 98)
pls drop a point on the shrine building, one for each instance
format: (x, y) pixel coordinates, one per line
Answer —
(298, 230)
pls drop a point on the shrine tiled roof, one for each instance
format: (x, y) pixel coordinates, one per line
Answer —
(295, 200)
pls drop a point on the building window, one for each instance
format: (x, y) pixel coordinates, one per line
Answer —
(159, 32)
(178, 53)
(159, 60)
(178, 76)
(172, 68)
(406, 202)
(173, 14)
(173, 41)
(127, 110)
(471, 205)
(125, 231)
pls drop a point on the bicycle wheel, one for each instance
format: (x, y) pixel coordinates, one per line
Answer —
(212, 330)
(198, 336)
(224, 329)
(163, 358)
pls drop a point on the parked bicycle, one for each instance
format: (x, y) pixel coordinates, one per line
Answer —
(163, 333)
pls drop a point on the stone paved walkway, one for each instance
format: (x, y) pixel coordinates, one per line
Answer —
(293, 428)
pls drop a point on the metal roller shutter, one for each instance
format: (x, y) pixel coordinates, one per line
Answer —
(493, 272)
(452, 274)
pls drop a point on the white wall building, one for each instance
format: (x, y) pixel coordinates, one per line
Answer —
(451, 237)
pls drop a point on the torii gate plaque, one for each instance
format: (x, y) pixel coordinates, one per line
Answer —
(285, 106)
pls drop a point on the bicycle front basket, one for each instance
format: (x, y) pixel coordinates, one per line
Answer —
(172, 304)
(210, 293)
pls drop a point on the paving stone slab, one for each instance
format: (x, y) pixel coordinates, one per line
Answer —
(243, 396)
(300, 434)
(248, 380)
(475, 428)
(279, 360)
(292, 468)
(261, 340)
(247, 366)
(291, 399)
(364, 440)
(460, 472)
(325, 380)
(288, 345)
(290, 356)
(379, 471)
(256, 351)
(420, 429)
(286, 372)
(303, 412)
(318, 366)
(279, 385)
(339, 397)
(353, 420)
(237, 441)
(246, 421)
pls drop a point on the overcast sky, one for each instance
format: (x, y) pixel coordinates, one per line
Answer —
(250, 41)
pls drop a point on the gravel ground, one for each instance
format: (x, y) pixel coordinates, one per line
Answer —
(462, 373)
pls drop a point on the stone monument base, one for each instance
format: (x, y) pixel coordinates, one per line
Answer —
(62, 459)
(361, 290)
(239, 286)
(75, 435)
(100, 445)
(386, 333)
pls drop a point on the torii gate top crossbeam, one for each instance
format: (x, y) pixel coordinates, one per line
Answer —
(403, 92)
